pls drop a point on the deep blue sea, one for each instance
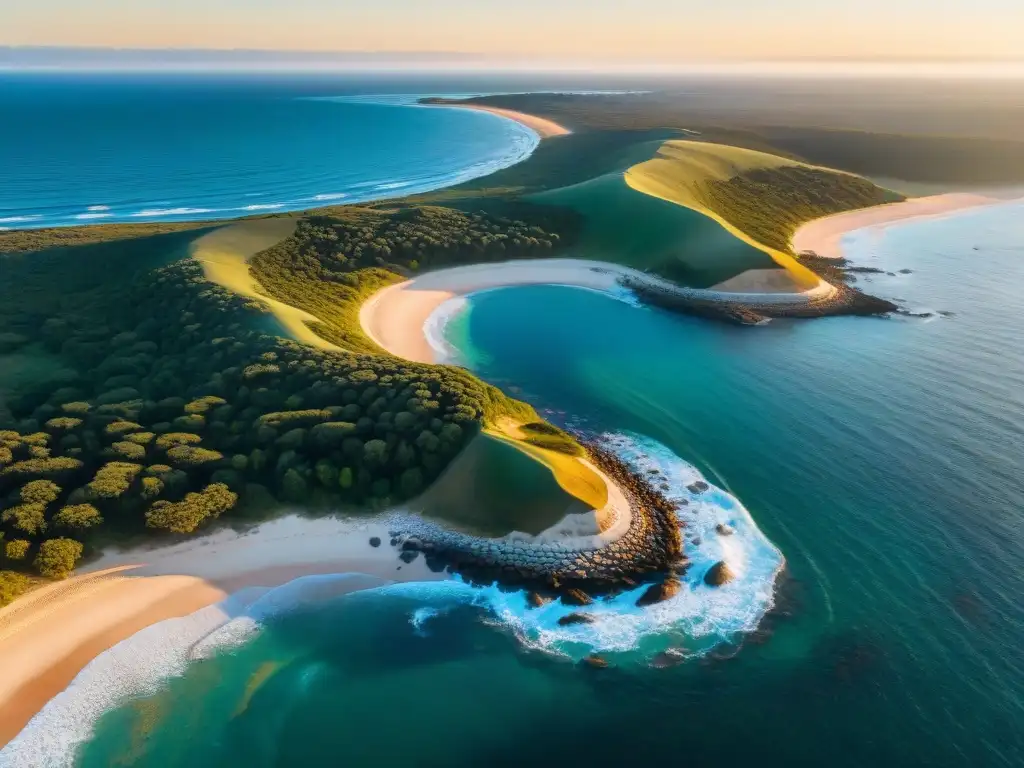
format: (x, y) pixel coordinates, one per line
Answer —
(882, 458)
(78, 149)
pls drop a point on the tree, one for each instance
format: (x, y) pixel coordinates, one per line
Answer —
(81, 516)
(17, 549)
(39, 492)
(57, 557)
(27, 518)
(188, 514)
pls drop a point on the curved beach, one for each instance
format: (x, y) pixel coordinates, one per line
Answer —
(824, 236)
(396, 317)
(47, 637)
(541, 125)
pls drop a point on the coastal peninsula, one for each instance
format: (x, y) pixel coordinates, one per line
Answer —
(174, 379)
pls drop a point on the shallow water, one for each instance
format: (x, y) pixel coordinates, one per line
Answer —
(882, 457)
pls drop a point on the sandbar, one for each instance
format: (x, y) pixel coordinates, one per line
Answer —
(541, 125)
(824, 236)
(48, 636)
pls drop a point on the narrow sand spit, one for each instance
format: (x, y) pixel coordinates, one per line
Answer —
(49, 635)
(544, 128)
(824, 236)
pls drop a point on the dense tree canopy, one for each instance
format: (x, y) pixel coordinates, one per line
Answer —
(173, 405)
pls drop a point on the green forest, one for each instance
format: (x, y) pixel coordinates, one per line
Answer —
(152, 402)
(333, 263)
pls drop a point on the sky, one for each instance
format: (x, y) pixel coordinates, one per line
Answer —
(653, 31)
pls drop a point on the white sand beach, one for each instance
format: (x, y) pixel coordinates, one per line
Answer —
(545, 128)
(824, 236)
(48, 636)
(395, 318)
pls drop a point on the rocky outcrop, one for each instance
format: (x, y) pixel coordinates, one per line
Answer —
(657, 593)
(576, 597)
(652, 544)
(575, 618)
(596, 662)
(536, 600)
(724, 530)
(375, 541)
(720, 573)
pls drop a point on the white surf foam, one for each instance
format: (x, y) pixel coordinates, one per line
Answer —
(263, 207)
(693, 622)
(91, 216)
(158, 212)
(335, 196)
(434, 329)
(20, 219)
(98, 208)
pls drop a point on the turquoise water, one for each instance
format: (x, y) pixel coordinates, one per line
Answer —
(883, 457)
(95, 148)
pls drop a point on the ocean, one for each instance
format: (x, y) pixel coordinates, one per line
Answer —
(880, 458)
(103, 148)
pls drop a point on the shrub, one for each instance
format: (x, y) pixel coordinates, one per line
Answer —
(121, 427)
(187, 515)
(77, 408)
(39, 492)
(140, 438)
(177, 438)
(63, 423)
(203, 404)
(50, 467)
(80, 516)
(12, 585)
(57, 557)
(113, 480)
(191, 455)
(17, 549)
(128, 451)
(27, 518)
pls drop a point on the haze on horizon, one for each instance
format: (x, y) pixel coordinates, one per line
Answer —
(660, 32)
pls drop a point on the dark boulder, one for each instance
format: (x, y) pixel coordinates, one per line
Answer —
(536, 600)
(575, 618)
(718, 574)
(725, 530)
(576, 597)
(596, 662)
(657, 593)
(375, 541)
(698, 487)
(408, 556)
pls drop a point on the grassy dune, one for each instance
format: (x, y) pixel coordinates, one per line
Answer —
(496, 486)
(681, 172)
(225, 253)
(627, 226)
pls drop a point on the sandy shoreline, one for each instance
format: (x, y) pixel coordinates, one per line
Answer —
(396, 317)
(824, 236)
(541, 125)
(48, 636)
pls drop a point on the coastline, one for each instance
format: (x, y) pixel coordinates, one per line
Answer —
(46, 638)
(824, 236)
(543, 127)
(395, 318)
